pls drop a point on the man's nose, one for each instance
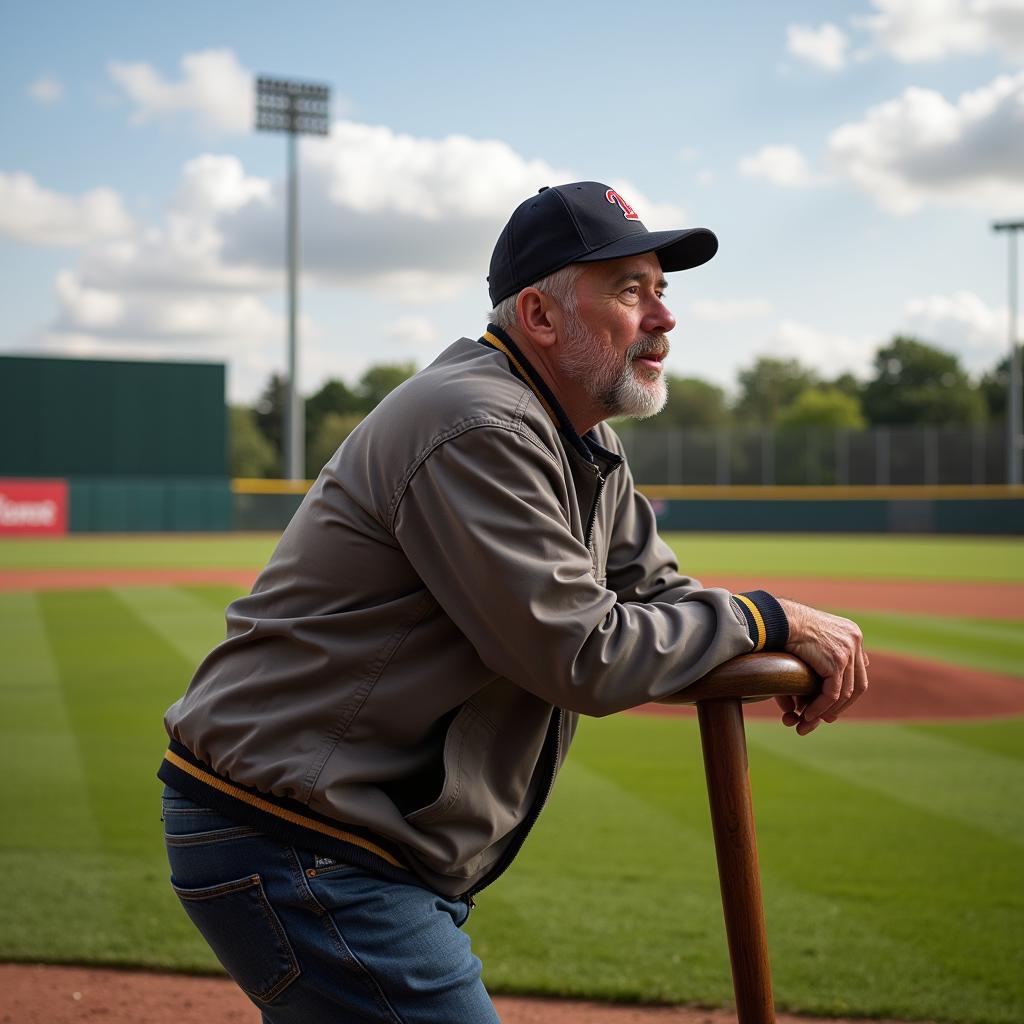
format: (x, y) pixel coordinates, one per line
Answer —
(658, 318)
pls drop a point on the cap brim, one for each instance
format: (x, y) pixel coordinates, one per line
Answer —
(676, 250)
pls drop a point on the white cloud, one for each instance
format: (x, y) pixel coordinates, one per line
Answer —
(825, 46)
(213, 85)
(740, 309)
(186, 251)
(46, 89)
(929, 30)
(921, 148)
(962, 323)
(30, 213)
(163, 316)
(704, 177)
(780, 165)
(830, 354)
(406, 213)
(412, 218)
(414, 330)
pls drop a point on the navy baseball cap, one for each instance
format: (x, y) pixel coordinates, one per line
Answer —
(582, 222)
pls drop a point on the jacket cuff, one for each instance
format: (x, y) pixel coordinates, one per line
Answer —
(766, 621)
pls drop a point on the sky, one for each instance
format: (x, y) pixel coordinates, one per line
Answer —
(850, 156)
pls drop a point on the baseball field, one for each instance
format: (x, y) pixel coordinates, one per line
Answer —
(891, 843)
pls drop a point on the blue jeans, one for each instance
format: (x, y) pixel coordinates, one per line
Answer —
(315, 942)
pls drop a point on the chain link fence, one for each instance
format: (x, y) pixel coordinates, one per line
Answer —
(767, 456)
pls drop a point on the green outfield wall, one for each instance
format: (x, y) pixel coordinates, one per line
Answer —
(993, 509)
(141, 446)
(149, 506)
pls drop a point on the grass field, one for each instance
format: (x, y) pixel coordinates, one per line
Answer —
(851, 555)
(890, 853)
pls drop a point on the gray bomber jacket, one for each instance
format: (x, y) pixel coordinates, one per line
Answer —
(465, 578)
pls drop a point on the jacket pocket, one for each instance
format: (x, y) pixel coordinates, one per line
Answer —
(466, 748)
(264, 965)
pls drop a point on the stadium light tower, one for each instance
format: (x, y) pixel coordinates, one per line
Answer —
(298, 108)
(1013, 404)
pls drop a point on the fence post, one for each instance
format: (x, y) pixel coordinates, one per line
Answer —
(768, 455)
(723, 452)
(881, 456)
(674, 456)
(931, 455)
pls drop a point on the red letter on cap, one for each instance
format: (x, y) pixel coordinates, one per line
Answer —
(627, 211)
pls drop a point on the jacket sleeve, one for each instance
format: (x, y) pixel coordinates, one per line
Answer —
(484, 523)
(642, 567)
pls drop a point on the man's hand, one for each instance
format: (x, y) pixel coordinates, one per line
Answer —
(834, 648)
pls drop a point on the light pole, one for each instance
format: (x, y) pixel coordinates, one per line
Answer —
(1013, 410)
(298, 108)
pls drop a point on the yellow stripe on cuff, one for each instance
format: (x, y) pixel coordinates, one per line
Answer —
(762, 633)
(279, 812)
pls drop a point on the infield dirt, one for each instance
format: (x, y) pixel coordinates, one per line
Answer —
(35, 994)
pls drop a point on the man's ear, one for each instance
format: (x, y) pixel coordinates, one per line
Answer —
(540, 317)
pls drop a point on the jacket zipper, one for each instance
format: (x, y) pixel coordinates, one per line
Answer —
(589, 535)
(531, 819)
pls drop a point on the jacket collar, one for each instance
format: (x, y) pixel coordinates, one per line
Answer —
(588, 446)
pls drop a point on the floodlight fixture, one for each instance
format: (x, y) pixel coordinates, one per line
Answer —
(295, 108)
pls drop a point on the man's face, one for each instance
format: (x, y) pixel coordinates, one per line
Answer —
(614, 341)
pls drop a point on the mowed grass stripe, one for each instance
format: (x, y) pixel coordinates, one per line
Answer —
(118, 676)
(219, 595)
(593, 864)
(944, 559)
(41, 753)
(923, 881)
(976, 788)
(854, 556)
(185, 621)
(84, 551)
(65, 894)
(638, 786)
(976, 643)
(1002, 736)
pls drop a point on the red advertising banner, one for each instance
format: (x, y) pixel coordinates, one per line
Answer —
(33, 507)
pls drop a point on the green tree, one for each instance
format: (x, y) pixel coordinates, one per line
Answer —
(769, 386)
(270, 408)
(381, 380)
(823, 407)
(334, 428)
(848, 385)
(995, 385)
(334, 396)
(691, 403)
(914, 382)
(252, 455)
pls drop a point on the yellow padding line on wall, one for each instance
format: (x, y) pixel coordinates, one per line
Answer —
(838, 492)
(713, 492)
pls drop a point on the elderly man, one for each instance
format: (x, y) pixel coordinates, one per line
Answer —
(371, 744)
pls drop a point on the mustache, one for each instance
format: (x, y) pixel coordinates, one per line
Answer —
(655, 344)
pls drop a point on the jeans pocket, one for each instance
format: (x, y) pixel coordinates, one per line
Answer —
(241, 927)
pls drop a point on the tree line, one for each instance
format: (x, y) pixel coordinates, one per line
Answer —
(910, 382)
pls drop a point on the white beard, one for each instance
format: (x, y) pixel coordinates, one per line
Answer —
(615, 383)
